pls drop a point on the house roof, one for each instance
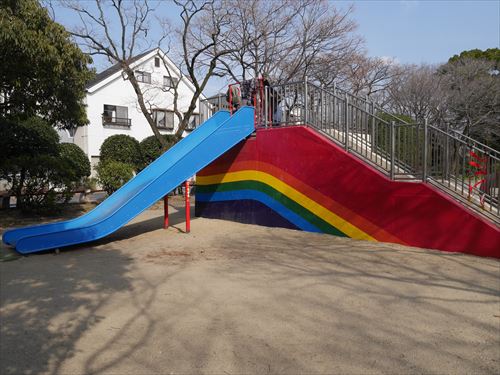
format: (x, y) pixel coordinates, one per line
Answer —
(113, 69)
(94, 84)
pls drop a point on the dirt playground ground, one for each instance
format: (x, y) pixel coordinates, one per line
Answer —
(239, 299)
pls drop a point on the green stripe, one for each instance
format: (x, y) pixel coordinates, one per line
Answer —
(321, 224)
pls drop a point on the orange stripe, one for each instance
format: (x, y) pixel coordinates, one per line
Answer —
(345, 213)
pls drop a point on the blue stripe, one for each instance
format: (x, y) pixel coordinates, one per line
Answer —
(265, 199)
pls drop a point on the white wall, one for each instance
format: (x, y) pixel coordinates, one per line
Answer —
(120, 92)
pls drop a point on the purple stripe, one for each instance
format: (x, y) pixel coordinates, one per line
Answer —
(242, 211)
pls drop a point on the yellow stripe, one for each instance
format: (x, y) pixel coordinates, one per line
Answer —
(317, 209)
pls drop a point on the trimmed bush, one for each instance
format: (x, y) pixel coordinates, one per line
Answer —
(30, 137)
(151, 147)
(79, 164)
(49, 181)
(40, 172)
(32, 166)
(112, 174)
(122, 148)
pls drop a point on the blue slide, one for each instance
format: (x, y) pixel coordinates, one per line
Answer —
(206, 143)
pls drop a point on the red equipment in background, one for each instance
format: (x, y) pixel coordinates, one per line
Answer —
(257, 97)
(187, 208)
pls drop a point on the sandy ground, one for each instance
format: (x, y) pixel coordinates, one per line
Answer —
(232, 299)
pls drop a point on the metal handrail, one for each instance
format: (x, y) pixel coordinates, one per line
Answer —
(118, 121)
(453, 162)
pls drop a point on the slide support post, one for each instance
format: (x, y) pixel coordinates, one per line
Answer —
(188, 208)
(165, 211)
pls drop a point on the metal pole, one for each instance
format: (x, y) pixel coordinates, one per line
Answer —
(334, 104)
(447, 153)
(372, 113)
(393, 149)
(426, 150)
(321, 108)
(346, 119)
(165, 212)
(266, 105)
(305, 101)
(188, 208)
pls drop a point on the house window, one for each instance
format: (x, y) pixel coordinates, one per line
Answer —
(169, 82)
(194, 121)
(115, 115)
(144, 77)
(157, 62)
(164, 119)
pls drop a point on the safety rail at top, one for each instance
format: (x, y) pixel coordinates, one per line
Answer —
(464, 168)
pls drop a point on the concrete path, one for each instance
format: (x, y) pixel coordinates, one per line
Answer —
(237, 299)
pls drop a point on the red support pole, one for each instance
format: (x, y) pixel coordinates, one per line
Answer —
(188, 208)
(165, 212)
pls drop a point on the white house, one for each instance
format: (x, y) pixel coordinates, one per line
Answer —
(112, 106)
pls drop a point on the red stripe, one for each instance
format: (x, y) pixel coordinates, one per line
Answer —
(414, 213)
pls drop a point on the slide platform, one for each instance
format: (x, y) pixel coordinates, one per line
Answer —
(206, 143)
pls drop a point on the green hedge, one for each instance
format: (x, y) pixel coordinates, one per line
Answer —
(122, 148)
(78, 162)
(409, 140)
(39, 171)
(151, 148)
(114, 174)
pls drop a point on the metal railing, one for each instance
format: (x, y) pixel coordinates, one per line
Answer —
(466, 169)
(116, 121)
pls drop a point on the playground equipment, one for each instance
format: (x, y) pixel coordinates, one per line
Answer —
(334, 163)
(441, 157)
(210, 140)
(322, 161)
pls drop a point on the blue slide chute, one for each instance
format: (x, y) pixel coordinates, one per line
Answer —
(206, 143)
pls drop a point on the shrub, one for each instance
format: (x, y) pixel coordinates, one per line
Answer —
(151, 147)
(31, 137)
(40, 171)
(408, 141)
(122, 148)
(79, 164)
(48, 182)
(113, 174)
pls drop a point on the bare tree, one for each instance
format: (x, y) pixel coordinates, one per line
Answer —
(414, 92)
(471, 90)
(118, 44)
(203, 39)
(287, 39)
(118, 29)
(369, 75)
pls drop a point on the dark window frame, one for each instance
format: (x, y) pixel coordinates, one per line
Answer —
(142, 76)
(172, 82)
(110, 116)
(166, 112)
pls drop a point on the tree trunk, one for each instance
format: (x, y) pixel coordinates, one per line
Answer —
(142, 105)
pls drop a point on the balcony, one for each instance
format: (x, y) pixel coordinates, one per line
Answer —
(120, 122)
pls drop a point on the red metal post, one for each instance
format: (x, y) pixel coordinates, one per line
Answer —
(165, 212)
(255, 109)
(188, 208)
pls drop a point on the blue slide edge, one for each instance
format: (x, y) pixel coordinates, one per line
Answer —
(209, 141)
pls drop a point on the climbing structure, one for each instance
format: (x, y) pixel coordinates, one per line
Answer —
(347, 173)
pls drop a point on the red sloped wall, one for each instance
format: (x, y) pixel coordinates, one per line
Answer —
(415, 213)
